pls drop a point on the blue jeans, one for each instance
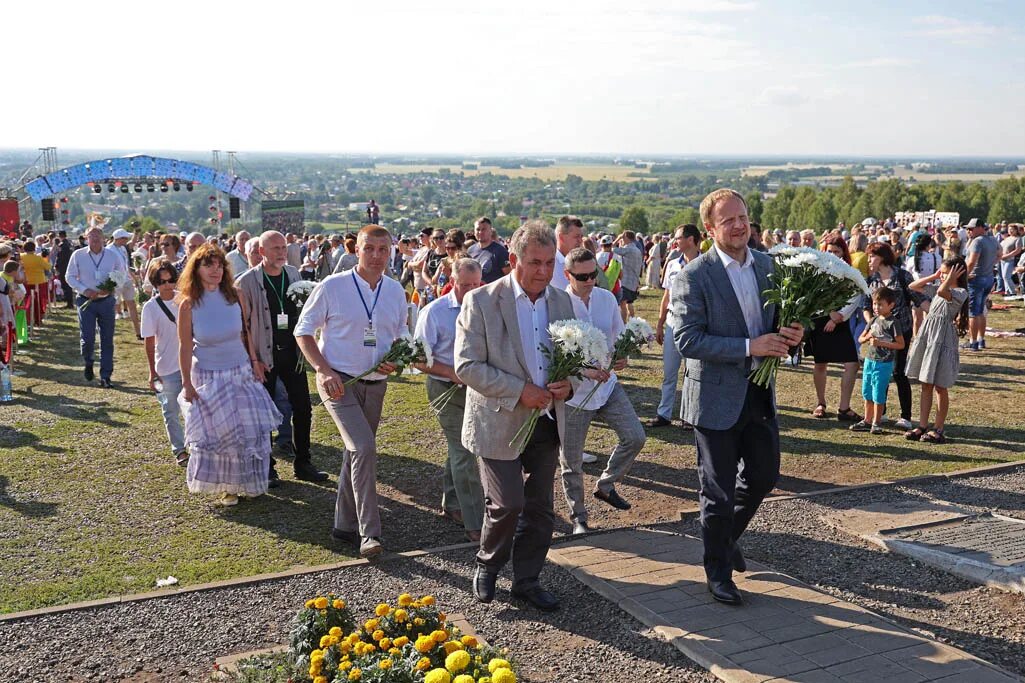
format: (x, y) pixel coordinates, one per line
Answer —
(671, 360)
(280, 398)
(978, 290)
(168, 399)
(99, 311)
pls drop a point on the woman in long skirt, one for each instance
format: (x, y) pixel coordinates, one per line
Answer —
(228, 414)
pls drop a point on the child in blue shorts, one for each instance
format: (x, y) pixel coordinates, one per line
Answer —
(884, 338)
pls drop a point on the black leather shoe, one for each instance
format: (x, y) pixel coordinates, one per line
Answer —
(484, 584)
(580, 528)
(612, 498)
(305, 470)
(725, 592)
(88, 373)
(350, 537)
(658, 421)
(538, 597)
(105, 383)
(273, 480)
(739, 563)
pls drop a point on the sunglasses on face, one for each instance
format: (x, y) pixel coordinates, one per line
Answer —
(584, 277)
(166, 281)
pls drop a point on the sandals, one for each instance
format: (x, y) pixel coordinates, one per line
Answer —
(914, 434)
(847, 415)
(820, 411)
(933, 436)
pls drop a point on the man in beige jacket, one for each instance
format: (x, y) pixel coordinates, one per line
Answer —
(500, 330)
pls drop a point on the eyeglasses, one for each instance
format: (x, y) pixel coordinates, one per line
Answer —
(438, 237)
(451, 246)
(163, 281)
(584, 277)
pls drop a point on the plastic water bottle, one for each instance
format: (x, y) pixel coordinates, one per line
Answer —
(5, 384)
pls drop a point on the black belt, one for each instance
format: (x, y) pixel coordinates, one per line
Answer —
(367, 382)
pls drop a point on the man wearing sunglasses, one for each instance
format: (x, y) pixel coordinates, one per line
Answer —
(159, 329)
(609, 403)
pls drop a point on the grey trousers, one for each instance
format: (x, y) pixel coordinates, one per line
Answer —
(462, 489)
(519, 515)
(618, 413)
(357, 415)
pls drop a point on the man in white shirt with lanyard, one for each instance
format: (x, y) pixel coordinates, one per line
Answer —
(359, 313)
(463, 498)
(609, 403)
(688, 240)
(87, 270)
(569, 234)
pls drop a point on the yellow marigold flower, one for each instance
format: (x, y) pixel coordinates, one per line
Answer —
(424, 663)
(427, 600)
(345, 666)
(316, 668)
(355, 675)
(320, 679)
(383, 643)
(317, 653)
(368, 648)
(498, 663)
(353, 638)
(377, 635)
(345, 647)
(439, 635)
(437, 676)
(395, 652)
(333, 640)
(323, 612)
(320, 603)
(310, 604)
(401, 615)
(335, 631)
(382, 610)
(409, 627)
(457, 660)
(371, 625)
(401, 641)
(418, 621)
(338, 604)
(385, 664)
(416, 604)
(325, 641)
(484, 679)
(452, 646)
(424, 644)
(503, 676)
(405, 600)
(469, 641)
(463, 678)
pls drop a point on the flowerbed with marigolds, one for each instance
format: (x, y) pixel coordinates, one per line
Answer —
(410, 642)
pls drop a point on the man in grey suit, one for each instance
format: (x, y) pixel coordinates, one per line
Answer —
(723, 330)
(499, 335)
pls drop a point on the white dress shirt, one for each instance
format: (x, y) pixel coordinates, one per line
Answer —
(334, 308)
(436, 325)
(559, 280)
(602, 311)
(87, 270)
(238, 262)
(673, 268)
(532, 317)
(745, 286)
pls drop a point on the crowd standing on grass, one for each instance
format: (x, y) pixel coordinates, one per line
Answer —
(233, 325)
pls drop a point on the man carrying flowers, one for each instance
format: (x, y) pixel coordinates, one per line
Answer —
(89, 271)
(500, 333)
(599, 395)
(462, 499)
(272, 318)
(724, 330)
(359, 314)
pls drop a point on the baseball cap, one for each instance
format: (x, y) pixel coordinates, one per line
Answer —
(121, 232)
(606, 240)
(976, 223)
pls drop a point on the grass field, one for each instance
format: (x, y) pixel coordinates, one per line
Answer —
(547, 173)
(92, 504)
(841, 170)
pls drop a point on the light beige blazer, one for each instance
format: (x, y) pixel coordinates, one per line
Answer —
(489, 359)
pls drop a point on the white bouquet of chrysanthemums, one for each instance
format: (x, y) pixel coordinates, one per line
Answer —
(635, 335)
(405, 350)
(115, 280)
(806, 284)
(576, 346)
(299, 292)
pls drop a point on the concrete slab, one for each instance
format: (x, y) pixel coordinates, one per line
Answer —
(787, 631)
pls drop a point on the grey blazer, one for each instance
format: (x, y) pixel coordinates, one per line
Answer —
(250, 285)
(489, 359)
(711, 334)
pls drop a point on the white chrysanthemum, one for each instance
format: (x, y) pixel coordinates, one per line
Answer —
(640, 328)
(300, 291)
(118, 277)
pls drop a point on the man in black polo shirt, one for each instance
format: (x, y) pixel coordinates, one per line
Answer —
(492, 256)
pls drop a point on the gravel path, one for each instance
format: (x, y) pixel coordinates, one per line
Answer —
(989, 623)
(178, 638)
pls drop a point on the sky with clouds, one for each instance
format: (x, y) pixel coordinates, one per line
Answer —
(689, 77)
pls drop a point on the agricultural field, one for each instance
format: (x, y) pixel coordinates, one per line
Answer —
(548, 173)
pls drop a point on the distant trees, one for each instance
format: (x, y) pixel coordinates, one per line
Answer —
(634, 218)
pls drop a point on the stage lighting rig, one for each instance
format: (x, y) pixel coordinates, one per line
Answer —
(188, 186)
(177, 187)
(110, 187)
(163, 187)
(138, 187)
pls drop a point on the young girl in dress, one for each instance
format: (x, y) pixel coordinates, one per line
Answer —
(933, 357)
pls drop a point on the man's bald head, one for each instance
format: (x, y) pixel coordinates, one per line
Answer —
(194, 241)
(271, 237)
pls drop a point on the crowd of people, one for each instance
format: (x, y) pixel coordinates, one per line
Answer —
(228, 349)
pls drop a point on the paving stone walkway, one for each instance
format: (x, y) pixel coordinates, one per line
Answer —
(786, 631)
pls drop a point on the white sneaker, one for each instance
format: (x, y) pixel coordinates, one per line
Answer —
(589, 458)
(903, 424)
